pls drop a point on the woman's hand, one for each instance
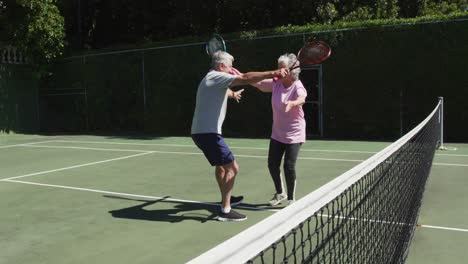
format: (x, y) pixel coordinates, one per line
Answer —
(289, 105)
(234, 71)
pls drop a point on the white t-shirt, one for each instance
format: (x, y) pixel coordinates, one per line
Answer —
(210, 109)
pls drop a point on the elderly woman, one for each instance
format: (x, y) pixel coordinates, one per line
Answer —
(288, 131)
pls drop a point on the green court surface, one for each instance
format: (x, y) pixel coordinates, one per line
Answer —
(99, 199)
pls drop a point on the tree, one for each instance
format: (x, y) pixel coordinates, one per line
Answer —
(2, 19)
(36, 27)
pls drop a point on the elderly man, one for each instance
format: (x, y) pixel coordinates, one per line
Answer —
(208, 119)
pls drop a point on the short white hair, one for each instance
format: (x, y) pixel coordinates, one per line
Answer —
(289, 59)
(221, 57)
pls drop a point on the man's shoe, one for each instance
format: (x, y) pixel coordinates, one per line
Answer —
(235, 200)
(232, 216)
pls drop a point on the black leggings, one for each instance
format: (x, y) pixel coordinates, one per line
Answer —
(275, 153)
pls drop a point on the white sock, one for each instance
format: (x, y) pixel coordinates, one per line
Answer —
(226, 210)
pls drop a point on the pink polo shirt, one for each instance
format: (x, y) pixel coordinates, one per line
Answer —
(288, 128)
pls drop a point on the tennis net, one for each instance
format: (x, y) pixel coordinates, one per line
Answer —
(366, 215)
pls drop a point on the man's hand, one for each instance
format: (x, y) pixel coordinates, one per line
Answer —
(280, 73)
(237, 95)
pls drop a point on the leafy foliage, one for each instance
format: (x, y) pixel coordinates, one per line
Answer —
(445, 7)
(36, 27)
(39, 27)
(102, 23)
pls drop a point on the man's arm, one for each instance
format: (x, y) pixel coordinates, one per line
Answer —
(237, 95)
(265, 86)
(254, 77)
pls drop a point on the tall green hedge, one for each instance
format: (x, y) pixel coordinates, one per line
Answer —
(380, 80)
(18, 99)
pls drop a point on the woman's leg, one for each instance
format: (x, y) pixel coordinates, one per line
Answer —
(275, 153)
(292, 151)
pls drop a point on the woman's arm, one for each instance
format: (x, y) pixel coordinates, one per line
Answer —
(298, 102)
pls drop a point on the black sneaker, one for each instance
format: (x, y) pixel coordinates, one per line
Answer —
(235, 200)
(232, 216)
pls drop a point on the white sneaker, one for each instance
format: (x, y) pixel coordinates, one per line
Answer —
(291, 202)
(278, 198)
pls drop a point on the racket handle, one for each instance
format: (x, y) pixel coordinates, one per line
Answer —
(292, 68)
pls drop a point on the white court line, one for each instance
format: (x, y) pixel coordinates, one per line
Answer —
(145, 152)
(140, 154)
(193, 146)
(83, 148)
(187, 153)
(300, 158)
(450, 164)
(198, 202)
(28, 143)
(394, 223)
(76, 166)
(235, 155)
(444, 228)
(134, 195)
(452, 155)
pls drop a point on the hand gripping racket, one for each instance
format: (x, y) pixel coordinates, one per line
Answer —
(314, 52)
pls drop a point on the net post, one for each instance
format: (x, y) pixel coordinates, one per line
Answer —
(143, 84)
(86, 94)
(441, 121)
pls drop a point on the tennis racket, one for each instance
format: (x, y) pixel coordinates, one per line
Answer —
(214, 44)
(314, 52)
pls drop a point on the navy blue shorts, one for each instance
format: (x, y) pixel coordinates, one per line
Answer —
(214, 148)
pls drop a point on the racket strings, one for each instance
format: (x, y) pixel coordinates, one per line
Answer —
(314, 54)
(214, 46)
(216, 43)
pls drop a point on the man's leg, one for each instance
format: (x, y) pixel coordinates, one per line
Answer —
(225, 176)
(219, 155)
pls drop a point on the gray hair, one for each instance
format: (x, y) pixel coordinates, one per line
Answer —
(221, 57)
(289, 59)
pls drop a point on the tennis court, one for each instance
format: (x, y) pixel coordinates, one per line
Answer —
(113, 199)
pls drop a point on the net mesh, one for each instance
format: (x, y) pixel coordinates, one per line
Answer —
(366, 215)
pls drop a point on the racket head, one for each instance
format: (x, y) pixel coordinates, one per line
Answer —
(314, 52)
(214, 44)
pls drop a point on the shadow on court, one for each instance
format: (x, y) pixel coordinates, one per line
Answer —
(182, 211)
